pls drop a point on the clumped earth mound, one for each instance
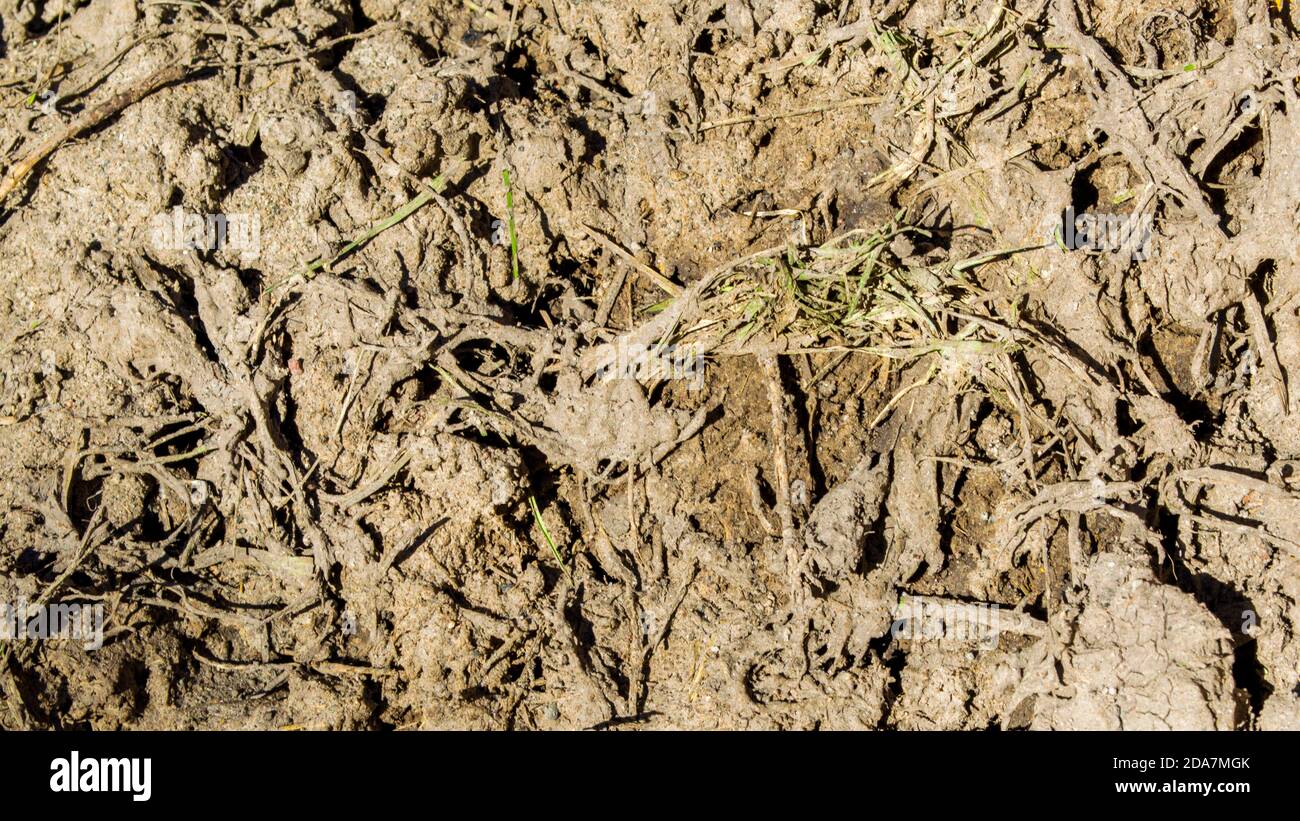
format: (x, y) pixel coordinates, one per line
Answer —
(703, 364)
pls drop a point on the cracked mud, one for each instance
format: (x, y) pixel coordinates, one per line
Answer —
(694, 364)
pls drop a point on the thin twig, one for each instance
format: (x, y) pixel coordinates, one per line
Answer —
(88, 120)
